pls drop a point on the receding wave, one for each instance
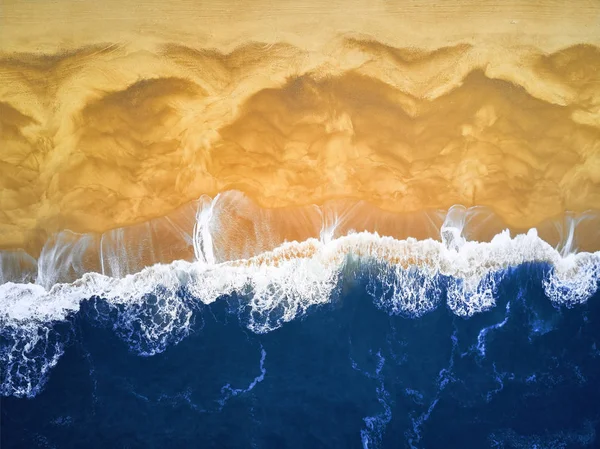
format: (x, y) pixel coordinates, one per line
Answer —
(278, 263)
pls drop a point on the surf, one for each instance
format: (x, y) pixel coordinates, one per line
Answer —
(154, 307)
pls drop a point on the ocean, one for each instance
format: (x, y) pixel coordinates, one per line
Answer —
(357, 370)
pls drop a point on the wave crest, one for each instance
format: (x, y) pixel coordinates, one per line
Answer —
(157, 306)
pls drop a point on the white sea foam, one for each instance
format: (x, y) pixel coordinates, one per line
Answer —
(27, 355)
(407, 292)
(305, 273)
(405, 277)
(228, 391)
(574, 279)
(372, 435)
(481, 338)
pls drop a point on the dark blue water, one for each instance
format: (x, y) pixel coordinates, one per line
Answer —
(349, 374)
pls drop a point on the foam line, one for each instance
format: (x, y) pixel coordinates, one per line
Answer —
(484, 332)
(405, 277)
(229, 392)
(306, 272)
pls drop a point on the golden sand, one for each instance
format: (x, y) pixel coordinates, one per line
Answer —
(117, 113)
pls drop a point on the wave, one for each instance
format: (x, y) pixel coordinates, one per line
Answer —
(233, 227)
(155, 307)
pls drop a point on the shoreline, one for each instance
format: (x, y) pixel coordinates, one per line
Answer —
(114, 122)
(237, 229)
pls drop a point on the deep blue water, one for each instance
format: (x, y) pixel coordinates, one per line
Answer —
(345, 375)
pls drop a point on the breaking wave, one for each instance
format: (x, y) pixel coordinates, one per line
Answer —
(156, 306)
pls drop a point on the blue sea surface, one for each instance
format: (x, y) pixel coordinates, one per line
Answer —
(353, 373)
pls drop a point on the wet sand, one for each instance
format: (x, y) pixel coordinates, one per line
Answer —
(233, 229)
